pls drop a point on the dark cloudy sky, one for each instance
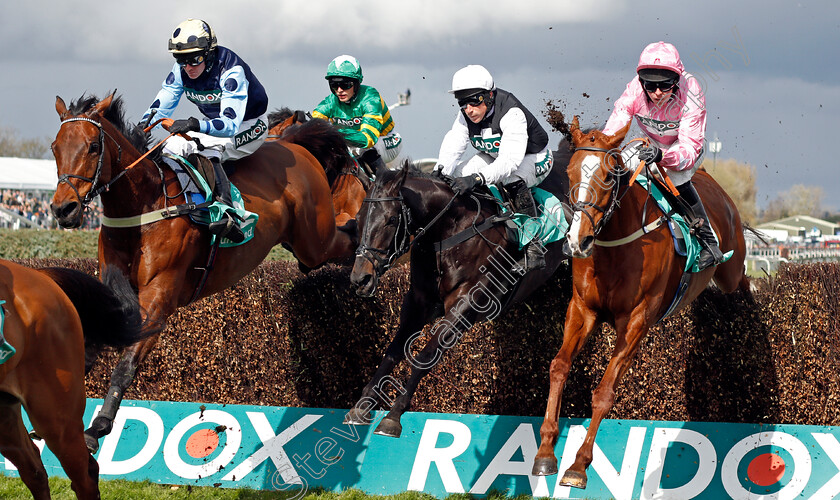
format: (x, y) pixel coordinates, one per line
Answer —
(770, 68)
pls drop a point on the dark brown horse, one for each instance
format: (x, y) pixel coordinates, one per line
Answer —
(348, 182)
(165, 260)
(629, 285)
(53, 317)
(463, 270)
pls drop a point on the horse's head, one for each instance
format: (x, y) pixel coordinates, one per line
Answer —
(281, 119)
(594, 171)
(86, 148)
(383, 223)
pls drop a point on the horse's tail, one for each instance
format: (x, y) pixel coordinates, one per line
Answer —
(324, 141)
(109, 309)
(758, 234)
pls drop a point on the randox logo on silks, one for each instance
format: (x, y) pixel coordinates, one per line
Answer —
(249, 135)
(344, 122)
(203, 97)
(486, 144)
(298, 449)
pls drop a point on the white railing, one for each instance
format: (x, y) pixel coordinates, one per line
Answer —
(769, 258)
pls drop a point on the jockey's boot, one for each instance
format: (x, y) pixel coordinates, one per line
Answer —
(227, 226)
(523, 200)
(374, 162)
(710, 255)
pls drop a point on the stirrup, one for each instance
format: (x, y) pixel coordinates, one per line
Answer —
(226, 227)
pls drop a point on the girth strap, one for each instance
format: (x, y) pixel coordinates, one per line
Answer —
(155, 215)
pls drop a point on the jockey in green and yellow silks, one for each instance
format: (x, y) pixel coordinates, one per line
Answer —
(360, 114)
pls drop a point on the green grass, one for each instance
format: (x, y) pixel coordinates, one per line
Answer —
(12, 488)
(68, 244)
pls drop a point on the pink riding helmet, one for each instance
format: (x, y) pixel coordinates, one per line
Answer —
(661, 55)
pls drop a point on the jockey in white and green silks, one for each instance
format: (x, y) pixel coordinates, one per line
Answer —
(360, 114)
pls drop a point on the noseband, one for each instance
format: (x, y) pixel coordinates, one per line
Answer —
(94, 190)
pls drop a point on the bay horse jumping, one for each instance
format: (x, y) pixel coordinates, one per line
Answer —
(166, 260)
(57, 319)
(349, 184)
(463, 270)
(628, 283)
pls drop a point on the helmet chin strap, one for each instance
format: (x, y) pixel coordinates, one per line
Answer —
(209, 60)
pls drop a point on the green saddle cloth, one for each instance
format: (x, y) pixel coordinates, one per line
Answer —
(6, 349)
(548, 227)
(214, 212)
(692, 244)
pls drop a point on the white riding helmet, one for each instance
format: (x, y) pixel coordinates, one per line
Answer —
(192, 35)
(471, 80)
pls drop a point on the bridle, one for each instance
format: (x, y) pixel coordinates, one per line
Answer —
(94, 190)
(615, 199)
(402, 242)
(385, 258)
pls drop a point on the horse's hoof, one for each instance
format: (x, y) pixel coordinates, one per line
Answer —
(357, 417)
(92, 444)
(574, 479)
(544, 467)
(389, 427)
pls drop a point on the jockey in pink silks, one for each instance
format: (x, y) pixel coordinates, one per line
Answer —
(670, 108)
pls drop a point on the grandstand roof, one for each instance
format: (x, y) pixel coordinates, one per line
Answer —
(28, 173)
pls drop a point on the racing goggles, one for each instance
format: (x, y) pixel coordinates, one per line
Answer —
(191, 59)
(343, 84)
(473, 100)
(663, 86)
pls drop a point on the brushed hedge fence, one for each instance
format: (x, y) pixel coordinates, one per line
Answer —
(282, 338)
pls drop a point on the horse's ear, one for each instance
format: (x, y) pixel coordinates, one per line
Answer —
(102, 105)
(404, 172)
(60, 107)
(617, 138)
(574, 129)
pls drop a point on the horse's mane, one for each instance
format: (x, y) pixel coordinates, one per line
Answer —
(278, 116)
(115, 114)
(324, 141)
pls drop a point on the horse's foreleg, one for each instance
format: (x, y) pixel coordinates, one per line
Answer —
(414, 314)
(16, 445)
(446, 333)
(121, 379)
(580, 321)
(628, 336)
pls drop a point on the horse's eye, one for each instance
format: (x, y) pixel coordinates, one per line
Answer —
(94, 148)
(393, 220)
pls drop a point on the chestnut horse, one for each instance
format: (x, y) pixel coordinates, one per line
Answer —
(629, 285)
(348, 182)
(166, 260)
(53, 318)
(463, 270)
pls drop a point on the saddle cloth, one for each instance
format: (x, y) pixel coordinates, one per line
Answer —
(549, 226)
(685, 243)
(6, 349)
(197, 194)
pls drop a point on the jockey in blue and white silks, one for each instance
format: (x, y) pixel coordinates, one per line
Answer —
(227, 93)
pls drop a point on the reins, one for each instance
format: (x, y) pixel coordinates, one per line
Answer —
(94, 190)
(385, 258)
(145, 218)
(616, 200)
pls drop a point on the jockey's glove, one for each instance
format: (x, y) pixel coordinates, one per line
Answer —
(183, 126)
(463, 185)
(650, 154)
